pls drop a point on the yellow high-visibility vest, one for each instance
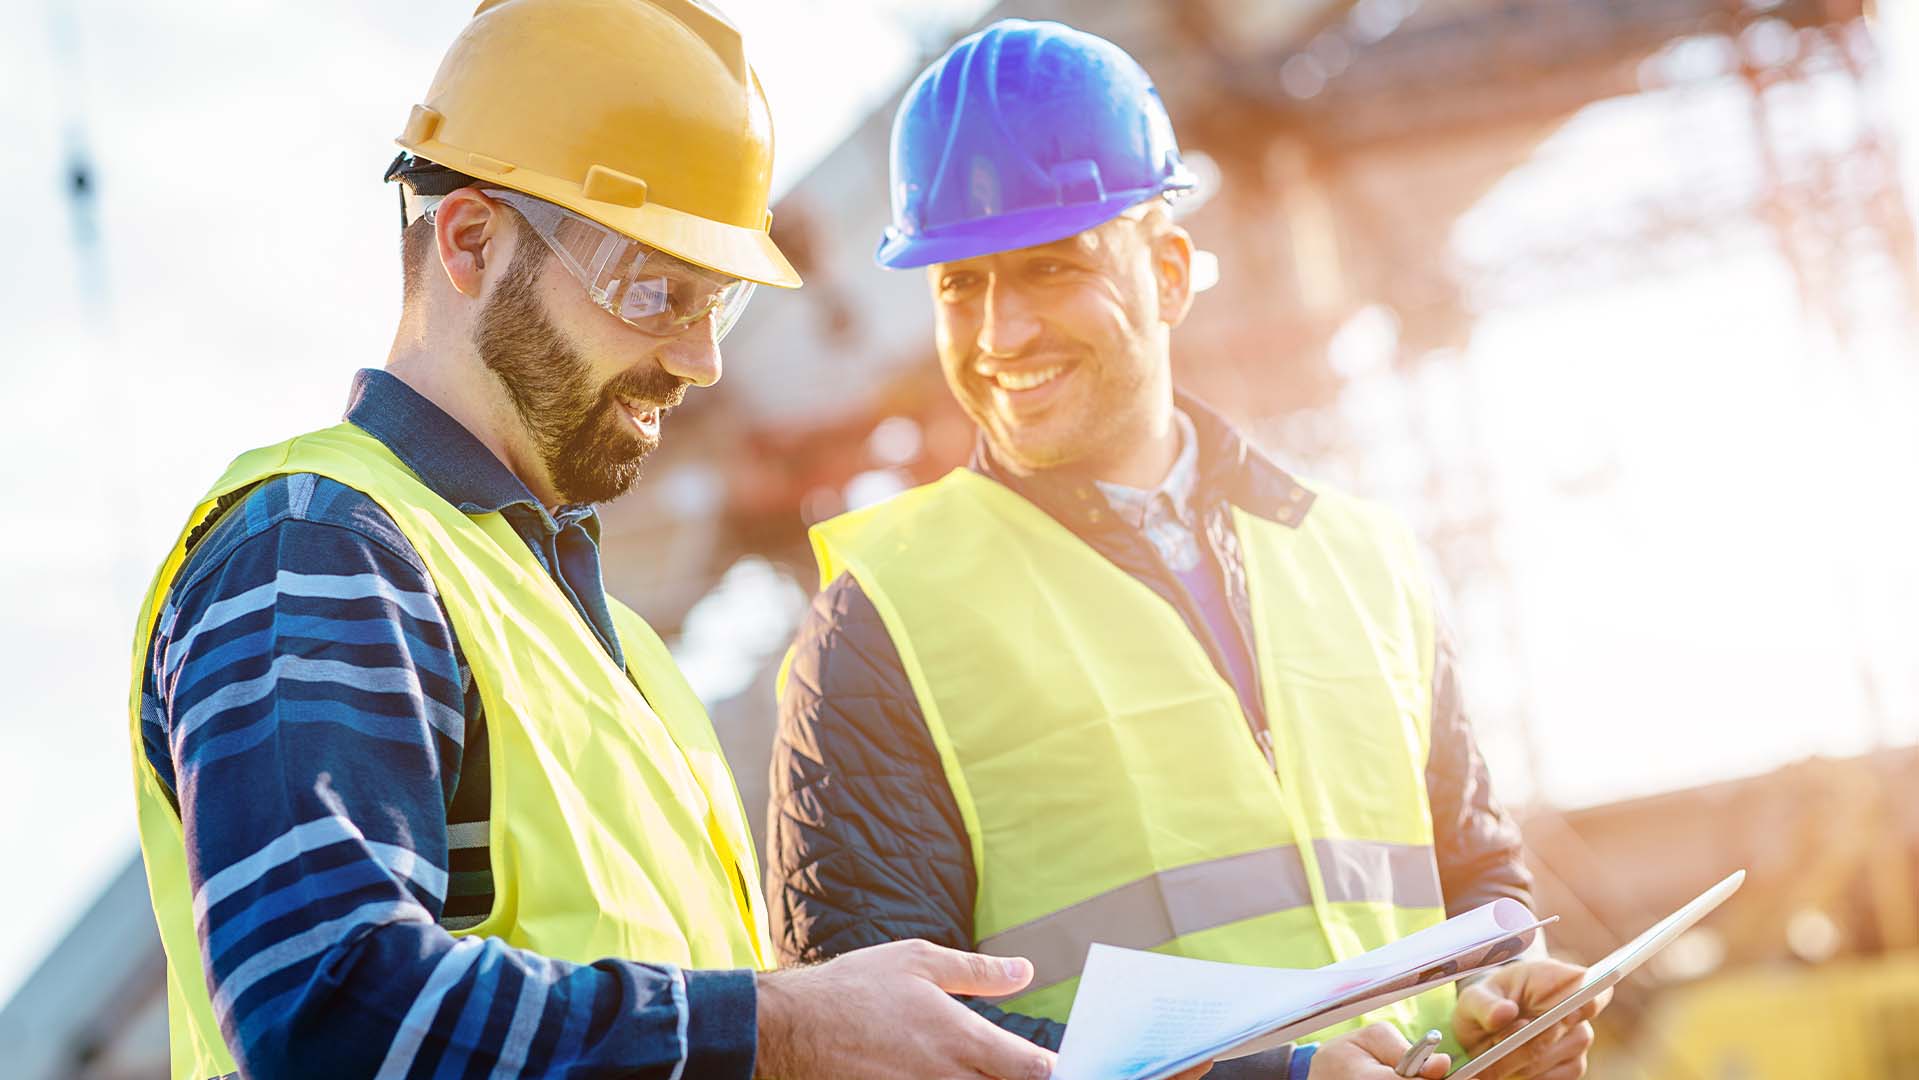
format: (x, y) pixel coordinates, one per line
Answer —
(1110, 784)
(615, 828)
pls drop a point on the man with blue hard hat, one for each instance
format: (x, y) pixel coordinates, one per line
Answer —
(1121, 679)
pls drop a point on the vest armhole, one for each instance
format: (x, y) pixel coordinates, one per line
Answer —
(928, 708)
(221, 508)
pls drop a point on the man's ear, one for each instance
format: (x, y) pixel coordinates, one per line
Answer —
(1172, 250)
(469, 231)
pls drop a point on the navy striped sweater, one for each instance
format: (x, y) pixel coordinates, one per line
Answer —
(309, 712)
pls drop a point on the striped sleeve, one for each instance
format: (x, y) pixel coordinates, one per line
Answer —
(306, 710)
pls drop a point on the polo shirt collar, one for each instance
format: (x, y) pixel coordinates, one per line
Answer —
(444, 454)
(1134, 504)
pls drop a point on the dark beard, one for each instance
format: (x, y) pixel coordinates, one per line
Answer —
(585, 440)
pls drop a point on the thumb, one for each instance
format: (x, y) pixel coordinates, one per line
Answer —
(1383, 1041)
(1002, 1054)
(974, 973)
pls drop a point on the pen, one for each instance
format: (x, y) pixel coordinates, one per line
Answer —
(1416, 1056)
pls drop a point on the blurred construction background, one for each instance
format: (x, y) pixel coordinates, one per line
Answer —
(1616, 300)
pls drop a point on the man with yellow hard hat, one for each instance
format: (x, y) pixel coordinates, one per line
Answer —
(1121, 679)
(416, 797)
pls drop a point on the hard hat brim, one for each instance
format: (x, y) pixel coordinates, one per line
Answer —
(1005, 232)
(729, 249)
(744, 253)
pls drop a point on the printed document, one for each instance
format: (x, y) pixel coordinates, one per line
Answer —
(1144, 1015)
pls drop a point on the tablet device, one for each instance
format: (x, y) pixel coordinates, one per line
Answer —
(1606, 973)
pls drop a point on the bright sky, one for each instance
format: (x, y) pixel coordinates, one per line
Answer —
(1704, 554)
(1695, 611)
(1704, 530)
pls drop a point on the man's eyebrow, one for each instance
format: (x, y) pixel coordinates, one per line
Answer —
(1077, 244)
(1081, 244)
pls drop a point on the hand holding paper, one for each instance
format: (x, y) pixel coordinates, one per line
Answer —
(1146, 1016)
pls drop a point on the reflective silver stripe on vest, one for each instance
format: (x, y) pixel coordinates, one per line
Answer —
(1154, 910)
(1404, 875)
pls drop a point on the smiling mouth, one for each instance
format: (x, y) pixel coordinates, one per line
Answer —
(1028, 380)
(644, 417)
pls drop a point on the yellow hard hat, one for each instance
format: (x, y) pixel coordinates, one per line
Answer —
(640, 114)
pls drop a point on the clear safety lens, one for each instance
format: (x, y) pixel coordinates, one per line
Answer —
(644, 287)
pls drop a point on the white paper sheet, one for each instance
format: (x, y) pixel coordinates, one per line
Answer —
(1141, 1015)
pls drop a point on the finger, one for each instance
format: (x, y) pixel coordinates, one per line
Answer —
(1589, 1010)
(1195, 1072)
(1562, 1041)
(1571, 1046)
(1483, 1008)
(1548, 1054)
(1571, 1070)
(1550, 980)
(959, 972)
(1003, 1055)
(1436, 1067)
(1584, 1012)
(1507, 1069)
(1383, 1041)
(1544, 1039)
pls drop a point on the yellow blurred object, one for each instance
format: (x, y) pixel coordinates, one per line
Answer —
(640, 114)
(1842, 1021)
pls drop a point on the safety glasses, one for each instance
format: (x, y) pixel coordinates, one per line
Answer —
(645, 288)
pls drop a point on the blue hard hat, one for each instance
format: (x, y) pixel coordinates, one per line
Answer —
(1023, 133)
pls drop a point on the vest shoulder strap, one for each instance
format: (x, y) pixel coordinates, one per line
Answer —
(880, 532)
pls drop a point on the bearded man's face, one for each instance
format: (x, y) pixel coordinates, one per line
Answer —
(592, 395)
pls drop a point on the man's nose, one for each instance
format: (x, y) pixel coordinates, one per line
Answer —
(694, 355)
(1008, 323)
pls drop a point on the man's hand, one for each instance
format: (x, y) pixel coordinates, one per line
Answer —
(1492, 1006)
(884, 1013)
(1371, 1053)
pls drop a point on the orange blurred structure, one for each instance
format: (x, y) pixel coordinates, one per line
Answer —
(1812, 970)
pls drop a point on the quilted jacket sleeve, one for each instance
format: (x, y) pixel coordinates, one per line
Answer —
(1479, 846)
(864, 840)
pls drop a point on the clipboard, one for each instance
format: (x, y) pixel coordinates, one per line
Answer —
(1607, 973)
